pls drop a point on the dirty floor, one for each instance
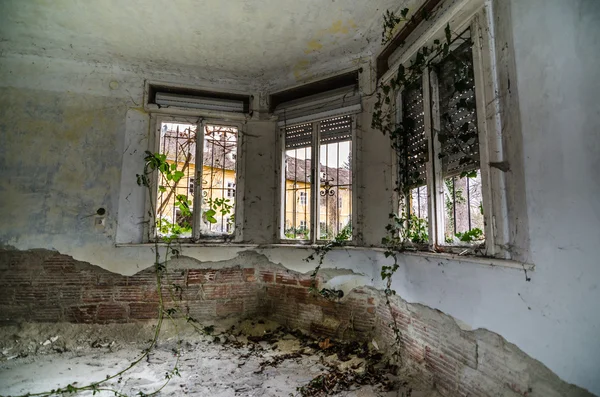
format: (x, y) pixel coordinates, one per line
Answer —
(252, 358)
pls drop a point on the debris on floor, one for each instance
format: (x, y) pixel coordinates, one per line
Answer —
(247, 358)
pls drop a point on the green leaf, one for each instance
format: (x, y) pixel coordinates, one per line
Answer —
(468, 174)
(173, 166)
(177, 175)
(210, 216)
(404, 12)
(162, 189)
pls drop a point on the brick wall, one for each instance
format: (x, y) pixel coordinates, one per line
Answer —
(41, 285)
(288, 301)
(465, 363)
(46, 286)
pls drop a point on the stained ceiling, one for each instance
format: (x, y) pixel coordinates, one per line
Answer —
(266, 40)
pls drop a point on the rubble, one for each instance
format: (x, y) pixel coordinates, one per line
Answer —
(248, 358)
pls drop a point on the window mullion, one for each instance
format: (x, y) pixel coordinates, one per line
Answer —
(314, 186)
(199, 167)
(495, 213)
(436, 182)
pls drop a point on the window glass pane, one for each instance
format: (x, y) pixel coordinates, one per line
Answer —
(418, 213)
(335, 189)
(297, 164)
(174, 204)
(463, 209)
(334, 175)
(219, 180)
(459, 139)
(412, 164)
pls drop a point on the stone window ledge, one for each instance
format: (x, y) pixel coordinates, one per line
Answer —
(478, 260)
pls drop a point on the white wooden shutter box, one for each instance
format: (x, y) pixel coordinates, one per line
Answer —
(341, 101)
(198, 102)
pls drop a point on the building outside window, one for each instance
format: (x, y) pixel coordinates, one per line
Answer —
(333, 154)
(205, 178)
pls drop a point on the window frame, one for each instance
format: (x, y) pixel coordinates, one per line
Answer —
(314, 202)
(156, 120)
(489, 127)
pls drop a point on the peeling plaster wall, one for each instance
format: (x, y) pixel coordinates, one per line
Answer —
(554, 317)
(64, 126)
(72, 136)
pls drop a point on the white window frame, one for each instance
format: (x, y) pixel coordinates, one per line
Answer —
(231, 188)
(303, 198)
(476, 16)
(156, 120)
(314, 188)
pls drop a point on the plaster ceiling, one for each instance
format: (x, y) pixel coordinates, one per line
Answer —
(266, 40)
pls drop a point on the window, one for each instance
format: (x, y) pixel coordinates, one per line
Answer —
(302, 225)
(303, 196)
(440, 165)
(328, 145)
(200, 201)
(231, 187)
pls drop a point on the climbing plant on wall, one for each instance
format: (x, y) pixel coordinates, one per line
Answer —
(405, 229)
(165, 238)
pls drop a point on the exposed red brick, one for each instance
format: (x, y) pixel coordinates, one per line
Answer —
(30, 294)
(308, 282)
(97, 294)
(285, 278)
(300, 295)
(276, 291)
(201, 276)
(249, 275)
(229, 307)
(15, 278)
(244, 290)
(82, 314)
(46, 314)
(145, 277)
(143, 311)
(324, 303)
(111, 313)
(128, 294)
(215, 291)
(201, 310)
(267, 276)
(111, 279)
(227, 276)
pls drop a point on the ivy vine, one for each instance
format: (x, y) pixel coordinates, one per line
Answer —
(165, 249)
(406, 231)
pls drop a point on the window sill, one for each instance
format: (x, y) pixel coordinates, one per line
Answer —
(478, 260)
(202, 244)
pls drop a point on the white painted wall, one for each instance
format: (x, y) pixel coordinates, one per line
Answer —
(555, 317)
(63, 136)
